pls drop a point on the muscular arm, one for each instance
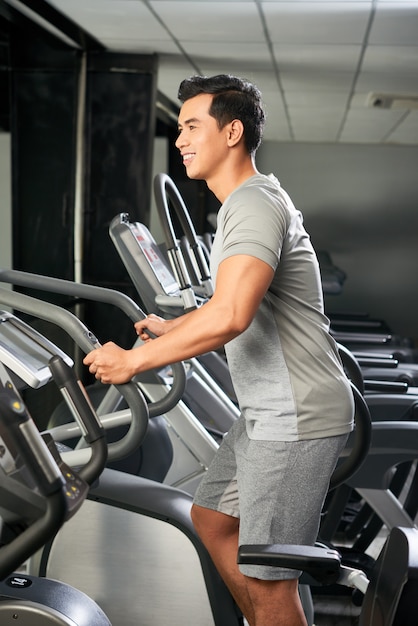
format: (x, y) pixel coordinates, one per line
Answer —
(241, 284)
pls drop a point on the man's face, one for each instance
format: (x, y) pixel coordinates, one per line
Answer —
(202, 145)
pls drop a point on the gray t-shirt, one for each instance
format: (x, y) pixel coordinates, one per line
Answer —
(285, 367)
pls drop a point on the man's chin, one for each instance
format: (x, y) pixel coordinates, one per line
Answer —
(193, 174)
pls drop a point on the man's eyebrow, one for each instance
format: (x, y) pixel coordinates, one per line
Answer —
(187, 122)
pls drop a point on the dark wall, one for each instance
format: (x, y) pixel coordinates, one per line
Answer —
(41, 109)
(117, 144)
(120, 128)
(119, 137)
(360, 204)
(38, 109)
(42, 124)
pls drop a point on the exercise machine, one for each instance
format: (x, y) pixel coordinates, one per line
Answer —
(173, 282)
(168, 576)
(162, 288)
(386, 401)
(190, 447)
(389, 591)
(39, 491)
(209, 392)
(168, 562)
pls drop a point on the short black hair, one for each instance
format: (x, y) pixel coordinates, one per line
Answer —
(233, 98)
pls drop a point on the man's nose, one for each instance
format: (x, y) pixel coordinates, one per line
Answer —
(180, 141)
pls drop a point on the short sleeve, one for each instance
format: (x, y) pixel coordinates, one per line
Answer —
(255, 223)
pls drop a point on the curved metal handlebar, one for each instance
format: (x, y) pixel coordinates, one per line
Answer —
(87, 342)
(35, 536)
(106, 296)
(38, 500)
(360, 446)
(352, 366)
(164, 188)
(77, 290)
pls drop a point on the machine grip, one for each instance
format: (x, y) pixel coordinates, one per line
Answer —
(77, 399)
(93, 432)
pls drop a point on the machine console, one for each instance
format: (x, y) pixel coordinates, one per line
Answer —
(25, 352)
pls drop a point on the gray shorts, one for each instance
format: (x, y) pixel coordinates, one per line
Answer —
(276, 489)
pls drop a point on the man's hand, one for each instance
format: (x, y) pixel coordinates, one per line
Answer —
(156, 325)
(111, 364)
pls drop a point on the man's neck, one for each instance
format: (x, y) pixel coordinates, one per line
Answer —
(231, 178)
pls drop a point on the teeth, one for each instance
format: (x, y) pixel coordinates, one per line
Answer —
(187, 157)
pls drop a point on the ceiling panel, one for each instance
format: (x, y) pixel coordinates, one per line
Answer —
(335, 101)
(318, 81)
(317, 22)
(370, 125)
(407, 131)
(246, 54)
(391, 59)
(211, 21)
(388, 82)
(316, 57)
(114, 19)
(395, 23)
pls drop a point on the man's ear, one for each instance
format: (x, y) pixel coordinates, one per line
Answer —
(235, 132)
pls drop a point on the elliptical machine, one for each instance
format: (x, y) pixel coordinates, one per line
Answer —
(39, 492)
(192, 447)
(390, 590)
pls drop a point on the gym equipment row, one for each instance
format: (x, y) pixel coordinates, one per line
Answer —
(39, 492)
(153, 516)
(126, 510)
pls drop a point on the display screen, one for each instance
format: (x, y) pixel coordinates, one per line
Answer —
(23, 346)
(26, 352)
(154, 258)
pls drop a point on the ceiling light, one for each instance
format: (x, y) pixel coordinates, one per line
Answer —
(392, 101)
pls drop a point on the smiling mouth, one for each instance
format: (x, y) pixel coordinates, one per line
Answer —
(188, 157)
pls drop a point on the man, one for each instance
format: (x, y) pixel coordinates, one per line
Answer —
(269, 477)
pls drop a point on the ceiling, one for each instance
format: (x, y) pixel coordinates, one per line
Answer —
(330, 71)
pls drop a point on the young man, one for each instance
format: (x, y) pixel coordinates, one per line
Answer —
(270, 475)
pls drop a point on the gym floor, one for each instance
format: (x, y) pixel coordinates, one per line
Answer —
(335, 610)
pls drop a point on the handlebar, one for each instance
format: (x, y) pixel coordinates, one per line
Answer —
(84, 414)
(87, 342)
(360, 442)
(164, 188)
(106, 296)
(30, 476)
(39, 492)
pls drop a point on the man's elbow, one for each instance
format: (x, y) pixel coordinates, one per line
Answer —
(235, 325)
